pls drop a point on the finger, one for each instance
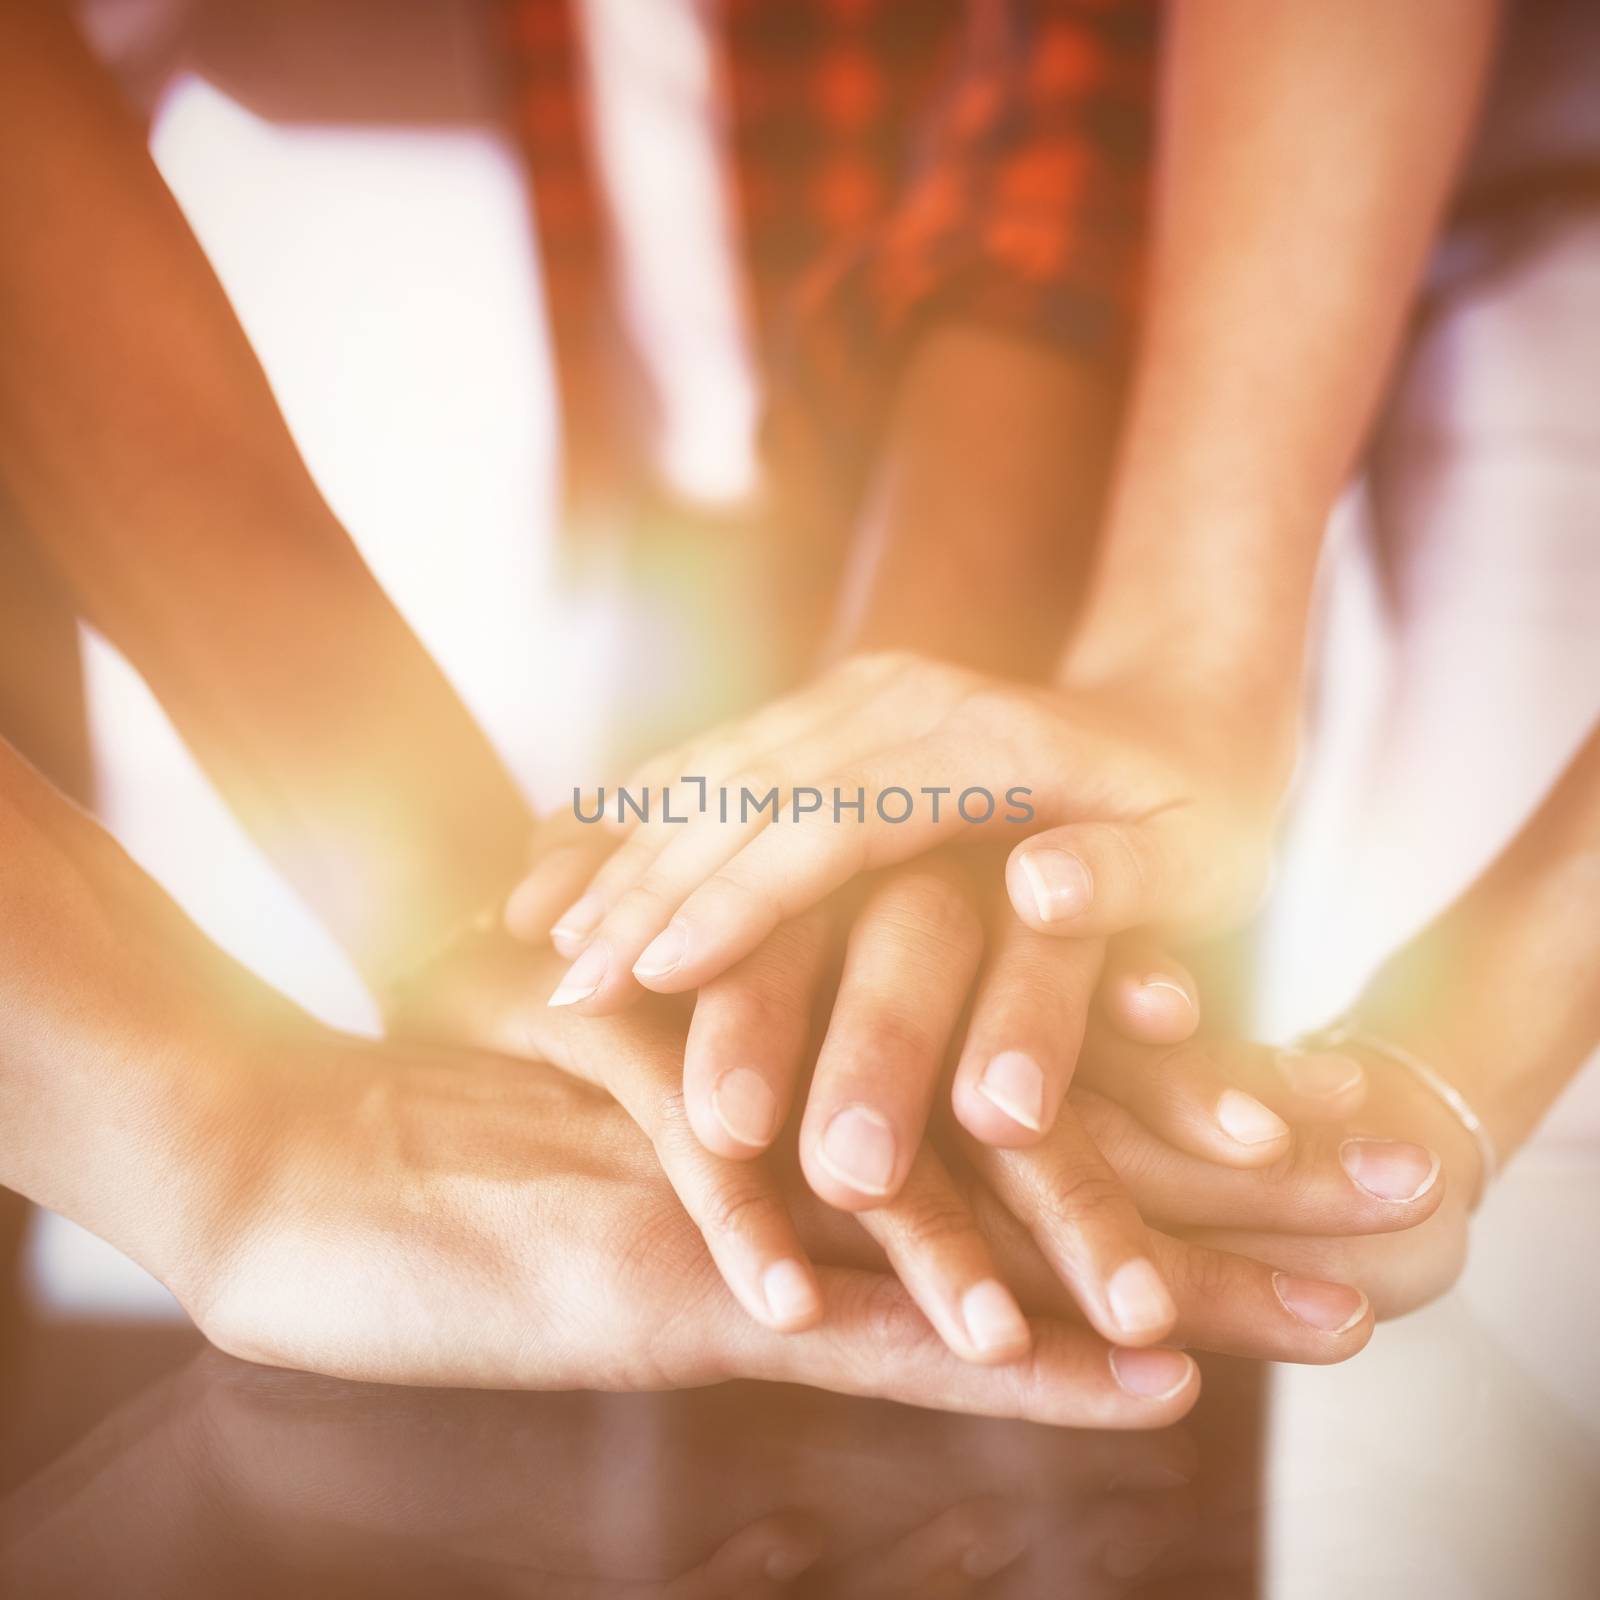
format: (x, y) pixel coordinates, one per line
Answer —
(1022, 1041)
(1398, 1272)
(909, 963)
(763, 1558)
(933, 1244)
(952, 1555)
(747, 1044)
(1145, 994)
(1085, 1225)
(628, 922)
(1224, 1302)
(712, 921)
(1322, 1184)
(737, 1205)
(697, 820)
(710, 775)
(875, 1341)
(1095, 879)
(1226, 1100)
(1240, 1306)
(533, 907)
(678, 791)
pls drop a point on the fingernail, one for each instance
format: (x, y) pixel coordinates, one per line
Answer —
(577, 922)
(664, 952)
(1061, 884)
(1138, 1298)
(1151, 1374)
(791, 1293)
(1319, 1077)
(994, 1319)
(1014, 1084)
(992, 1556)
(1388, 1169)
(1244, 1118)
(857, 1148)
(1328, 1307)
(786, 1564)
(583, 977)
(1165, 985)
(746, 1107)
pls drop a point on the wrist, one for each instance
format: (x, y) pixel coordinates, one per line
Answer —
(1209, 597)
(1209, 706)
(139, 1130)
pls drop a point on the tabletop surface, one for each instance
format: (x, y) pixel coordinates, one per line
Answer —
(1458, 1456)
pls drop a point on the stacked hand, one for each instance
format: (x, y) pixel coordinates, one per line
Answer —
(975, 1228)
(1137, 813)
(417, 1216)
(921, 964)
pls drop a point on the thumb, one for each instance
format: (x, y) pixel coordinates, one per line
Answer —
(1098, 879)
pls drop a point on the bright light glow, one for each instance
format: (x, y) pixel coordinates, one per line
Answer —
(651, 72)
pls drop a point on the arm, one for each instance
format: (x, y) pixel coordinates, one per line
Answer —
(1502, 992)
(147, 458)
(1499, 996)
(1305, 155)
(396, 1214)
(107, 1088)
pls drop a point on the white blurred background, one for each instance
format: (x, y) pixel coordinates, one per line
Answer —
(388, 278)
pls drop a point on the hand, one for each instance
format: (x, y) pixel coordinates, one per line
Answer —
(1375, 1190)
(968, 1218)
(416, 1216)
(899, 1010)
(915, 937)
(1143, 809)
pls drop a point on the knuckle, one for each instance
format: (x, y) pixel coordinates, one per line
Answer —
(1200, 1274)
(890, 1035)
(757, 778)
(719, 755)
(740, 894)
(1132, 1152)
(775, 982)
(648, 900)
(991, 712)
(671, 1130)
(1082, 1194)
(933, 1217)
(1301, 1166)
(1134, 862)
(1175, 1079)
(760, 1012)
(928, 909)
(733, 1205)
(893, 1329)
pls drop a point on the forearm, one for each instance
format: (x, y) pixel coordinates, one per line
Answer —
(147, 458)
(974, 542)
(108, 1056)
(1508, 979)
(1305, 155)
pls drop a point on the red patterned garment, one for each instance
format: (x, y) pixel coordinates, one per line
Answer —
(892, 164)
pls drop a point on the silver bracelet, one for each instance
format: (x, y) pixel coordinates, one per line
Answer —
(1346, 1031)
